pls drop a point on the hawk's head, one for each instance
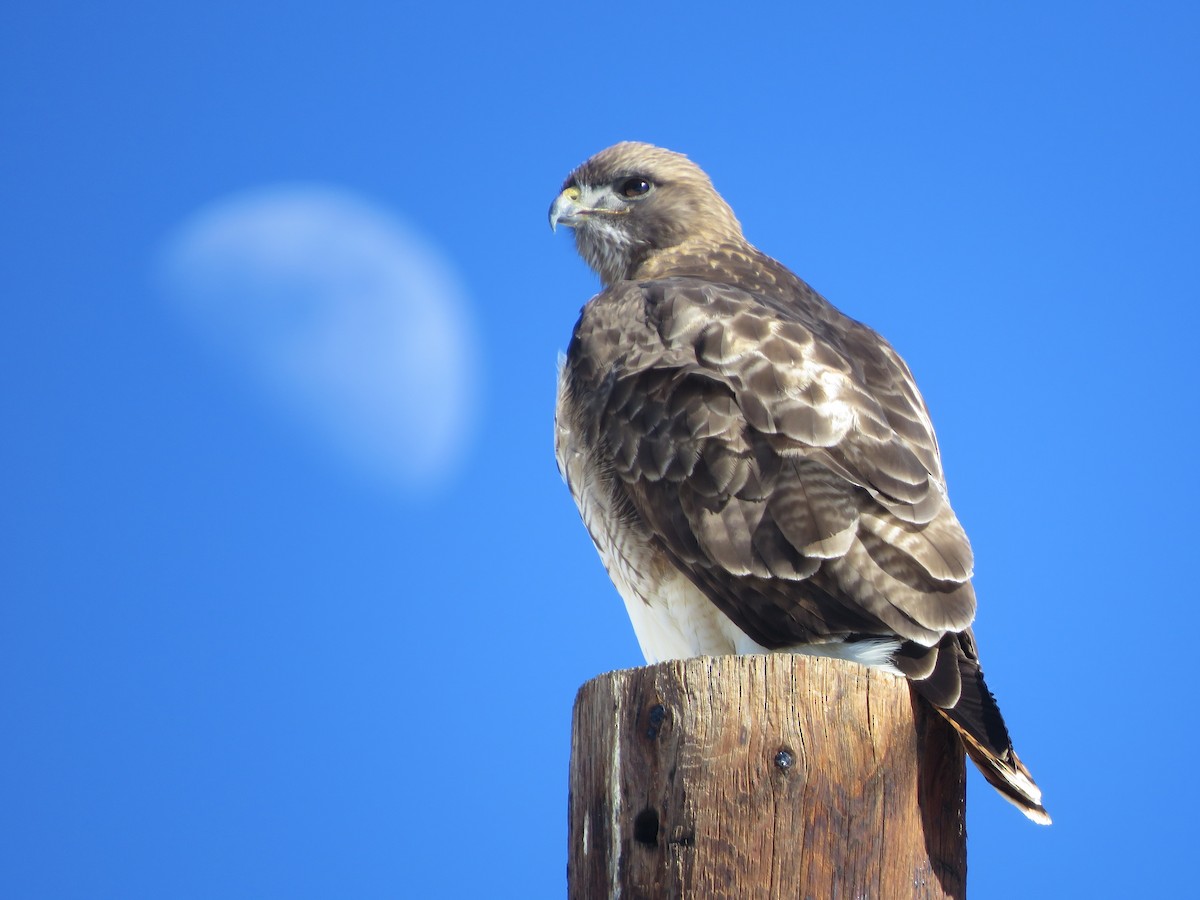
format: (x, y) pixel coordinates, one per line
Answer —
(632, 200)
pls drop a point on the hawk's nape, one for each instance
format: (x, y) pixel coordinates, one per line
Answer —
(758, 471)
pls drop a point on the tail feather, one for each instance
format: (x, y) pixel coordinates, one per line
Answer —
(966, 703)
(1005, 772)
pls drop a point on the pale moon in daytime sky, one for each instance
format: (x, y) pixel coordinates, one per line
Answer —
(342, 315)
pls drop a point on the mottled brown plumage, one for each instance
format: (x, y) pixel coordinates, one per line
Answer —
(757, 470)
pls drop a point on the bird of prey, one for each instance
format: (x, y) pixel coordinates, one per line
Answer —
(757, 470)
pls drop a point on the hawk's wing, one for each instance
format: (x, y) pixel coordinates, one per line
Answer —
(784, 457)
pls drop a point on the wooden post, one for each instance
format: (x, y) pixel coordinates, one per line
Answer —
(762, 777)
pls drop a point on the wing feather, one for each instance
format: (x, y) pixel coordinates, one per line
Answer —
(782, 456)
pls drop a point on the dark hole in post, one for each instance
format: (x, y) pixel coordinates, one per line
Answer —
(658, 713)
(645, 827)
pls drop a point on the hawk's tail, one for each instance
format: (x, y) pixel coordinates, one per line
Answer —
(1004, 771)
(953, 683)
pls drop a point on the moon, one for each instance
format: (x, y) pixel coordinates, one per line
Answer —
(340, 314)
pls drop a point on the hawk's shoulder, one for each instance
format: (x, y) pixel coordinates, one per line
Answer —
(800, 369)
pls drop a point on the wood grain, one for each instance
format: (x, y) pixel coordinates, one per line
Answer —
(762, 777)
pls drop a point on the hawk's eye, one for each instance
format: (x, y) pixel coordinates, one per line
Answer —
(633, 187)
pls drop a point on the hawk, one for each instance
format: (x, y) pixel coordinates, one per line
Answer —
(757, 470)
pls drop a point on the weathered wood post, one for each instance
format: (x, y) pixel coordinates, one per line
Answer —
(762, 777)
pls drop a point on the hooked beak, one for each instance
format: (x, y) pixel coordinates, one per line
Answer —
(567, 209)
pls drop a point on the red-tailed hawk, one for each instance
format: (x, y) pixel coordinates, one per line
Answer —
(758, 470)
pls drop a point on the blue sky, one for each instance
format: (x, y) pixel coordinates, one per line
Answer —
(286, 616)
